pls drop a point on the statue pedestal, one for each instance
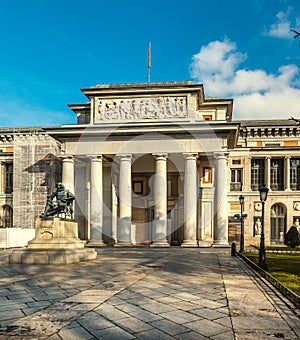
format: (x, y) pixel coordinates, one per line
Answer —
(56, 242)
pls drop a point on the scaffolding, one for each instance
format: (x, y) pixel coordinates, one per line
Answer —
(36, 171)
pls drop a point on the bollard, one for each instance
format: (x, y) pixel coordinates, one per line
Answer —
(233, 249)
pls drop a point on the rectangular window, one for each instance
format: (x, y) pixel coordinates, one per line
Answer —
(207, 175)
(236, 180)
(236, 161)
(8, 178)
(295, 173)
(257, 173)
(138, 187)
(277, 174)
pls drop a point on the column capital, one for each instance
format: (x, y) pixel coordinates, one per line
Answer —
(160, 155)
(66, 157)
(221, 154)
(190, 155)
(124, 156)
(95, 158)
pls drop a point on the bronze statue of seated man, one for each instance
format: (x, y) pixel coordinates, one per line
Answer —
(60, 202)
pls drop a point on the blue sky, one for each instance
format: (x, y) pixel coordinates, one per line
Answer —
(237, 49)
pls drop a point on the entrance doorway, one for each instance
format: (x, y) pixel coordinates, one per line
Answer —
(140, 228)
(278, 223)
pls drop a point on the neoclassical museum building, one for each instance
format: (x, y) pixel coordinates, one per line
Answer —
(154, 164)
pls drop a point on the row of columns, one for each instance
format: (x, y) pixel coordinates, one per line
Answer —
(160, 199)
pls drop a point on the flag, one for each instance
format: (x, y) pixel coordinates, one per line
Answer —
(149, 54)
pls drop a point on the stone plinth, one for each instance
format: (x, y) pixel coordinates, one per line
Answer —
(55, 234)
(56, 242)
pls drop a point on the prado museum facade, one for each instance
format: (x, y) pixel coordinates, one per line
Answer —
(155, 164)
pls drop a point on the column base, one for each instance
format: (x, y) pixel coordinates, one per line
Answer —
(189, 244)
(123, 244)
(205, 244)
(95, 243)
(160, 244)
(221, 244)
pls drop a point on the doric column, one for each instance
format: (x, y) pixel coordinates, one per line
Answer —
(287, 173)
(124, 222)
(221, 207)
(68, 173)
(96, 202)
(268, 172)
(159, 237)
(190, 200)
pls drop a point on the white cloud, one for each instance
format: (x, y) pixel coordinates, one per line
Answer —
(282, 28)
(256, 93)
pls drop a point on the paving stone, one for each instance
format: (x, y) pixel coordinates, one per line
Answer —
(186, 296)
(40, 304)
(225, 321)
(11, 314)
(20, 298)
(133, 325)
(138, 312)
(52, 337)
(185, 305)
(229, 335)
(190, 336)
(115, 301)
(265, 334)
(180, 316)
(154, 334)
(169, 327)
(7, 306)
(168, 299)
(73, 324)
(206, 327)
(84, 307)
(110, 312)
(141, 301)
(76, 333)
(210, 304)
(153, 294)
(207, 313)
(252, 322)
(95, 323)
(157, 307)
(30, 310)
(113, 333)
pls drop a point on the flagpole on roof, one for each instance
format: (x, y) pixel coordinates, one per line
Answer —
(149, 62)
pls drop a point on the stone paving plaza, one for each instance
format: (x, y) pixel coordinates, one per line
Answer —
(142, 293)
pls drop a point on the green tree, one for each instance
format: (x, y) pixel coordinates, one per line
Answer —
(292, 237)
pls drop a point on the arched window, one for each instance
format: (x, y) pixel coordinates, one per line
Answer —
(278, 223)
(7, 218)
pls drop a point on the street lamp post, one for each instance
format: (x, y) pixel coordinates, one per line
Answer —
(241, 198)
(263, 193)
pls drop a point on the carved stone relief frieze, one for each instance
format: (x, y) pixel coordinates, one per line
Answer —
(142, 108)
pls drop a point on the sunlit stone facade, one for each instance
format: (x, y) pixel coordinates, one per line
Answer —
(156, 164)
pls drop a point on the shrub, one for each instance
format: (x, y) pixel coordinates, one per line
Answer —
(292, 237)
